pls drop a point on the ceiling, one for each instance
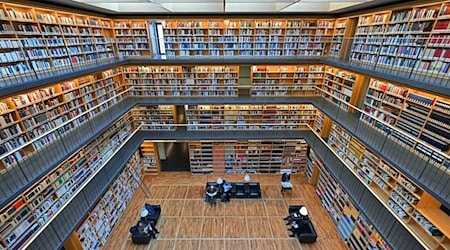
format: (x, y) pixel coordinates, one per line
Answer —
(220, 6)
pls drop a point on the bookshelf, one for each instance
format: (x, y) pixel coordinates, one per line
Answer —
(255, 117)
(242, 37)
(417, 113)
(22, 217)
(28, 115)
(341, 86)
(413, 38)
(313, 167)
(41, 39)
(406, 199)
(97, 226)
(288, 80)
(211, 81)
(369, 36)
(353, 227)
(150, 158)
(339, 34)
(132, 37)
(239, 157)
(153, 116)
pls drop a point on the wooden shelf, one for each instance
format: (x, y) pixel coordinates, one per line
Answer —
(288, 80)
(403, 196)
(34, 207)
(341, 86)
(255, 117)
(271, 37)
(417, 113)
(211, 81)
(238, 157)
(97, 226)
(150, 158)
(154, 117)
(412, 38)
(352, 226)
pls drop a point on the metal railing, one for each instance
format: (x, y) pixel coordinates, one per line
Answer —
(376, 139)
(419, 59)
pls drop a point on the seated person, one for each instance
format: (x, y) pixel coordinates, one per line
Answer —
(226, 194)
(295, 215)
(295, 229)
(149, 229)
(211, 192)
(303, 213)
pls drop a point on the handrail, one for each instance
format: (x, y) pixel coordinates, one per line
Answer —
(124, 94)
(426, 67)
(415, 139)
(3, 156)
(86, 182)
(368, 187)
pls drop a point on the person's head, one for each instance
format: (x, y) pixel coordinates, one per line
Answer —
(303, 211)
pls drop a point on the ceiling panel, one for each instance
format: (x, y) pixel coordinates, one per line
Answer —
(220, 6)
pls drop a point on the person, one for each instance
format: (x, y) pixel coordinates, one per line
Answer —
(291, 217)
(286, 177)
(151, 230)
(211, 191)
(295, 229)
(226, 194)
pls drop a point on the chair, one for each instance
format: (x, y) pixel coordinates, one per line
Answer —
(154, 213)
(138, 238)
(307, 232)
(239, 190)
(254, 190)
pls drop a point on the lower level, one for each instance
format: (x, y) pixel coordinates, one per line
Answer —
(187, 222)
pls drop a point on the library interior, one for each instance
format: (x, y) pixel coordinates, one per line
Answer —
(225, 124)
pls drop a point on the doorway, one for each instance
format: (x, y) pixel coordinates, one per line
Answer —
(176, 156)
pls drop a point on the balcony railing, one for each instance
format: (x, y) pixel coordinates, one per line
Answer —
(424, 60)
(378, 140)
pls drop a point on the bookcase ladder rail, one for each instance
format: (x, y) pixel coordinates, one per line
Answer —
(389, 134)
(22, 148)
(82, 186)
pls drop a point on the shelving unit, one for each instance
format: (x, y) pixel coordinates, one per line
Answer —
(313, 167)
(352, 225)
(341, 86)
(413, 38)
(150, 158)
(211, 81)
(288, 80)
(234, 37)
(239, 157)
(133, 37)
(154, 117)
(406, 199)
(338, 37)
(255, 117)
(41, 39)
(419, 114)
(97, 226)
(22, 217)
(31, 114)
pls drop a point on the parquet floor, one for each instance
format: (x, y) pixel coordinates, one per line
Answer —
(187, 222)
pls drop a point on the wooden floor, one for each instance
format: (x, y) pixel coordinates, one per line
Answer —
(187, 222)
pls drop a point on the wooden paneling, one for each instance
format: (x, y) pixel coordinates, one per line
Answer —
(187, 222)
